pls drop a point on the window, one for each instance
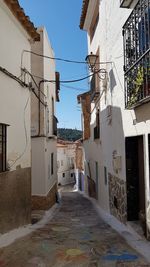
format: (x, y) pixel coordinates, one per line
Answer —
(61, 162)
(52, 163)
(52, 106)
(63, 175)
(97, 127)
(3, 143)
(71, 174)
(137, 55)
(95, 21)
(71, 163)
(54, 119)
(47, 121)
(105, 175)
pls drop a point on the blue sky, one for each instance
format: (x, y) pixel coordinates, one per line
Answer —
(61, 19)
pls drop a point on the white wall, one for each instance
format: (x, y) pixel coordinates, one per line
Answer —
(49, 74)
(38, 167)
(108, 38)
(14, 100)
(42, 179)
(51, 179)
(64, 155)
(42, 147)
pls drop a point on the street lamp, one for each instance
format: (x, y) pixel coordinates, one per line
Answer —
(91, 61)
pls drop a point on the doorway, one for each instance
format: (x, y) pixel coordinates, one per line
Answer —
(135, 180)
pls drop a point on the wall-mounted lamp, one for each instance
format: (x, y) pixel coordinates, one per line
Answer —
(91, 61)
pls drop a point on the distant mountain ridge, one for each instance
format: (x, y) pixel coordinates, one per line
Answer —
(69, 134)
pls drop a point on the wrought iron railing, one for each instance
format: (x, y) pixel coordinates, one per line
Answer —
(136, 34)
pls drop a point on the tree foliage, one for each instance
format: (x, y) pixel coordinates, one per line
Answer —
(69, 134)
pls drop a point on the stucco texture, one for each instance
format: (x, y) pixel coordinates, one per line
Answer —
(15, 199)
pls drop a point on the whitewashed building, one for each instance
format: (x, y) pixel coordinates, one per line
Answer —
(44, 123)
(66, 162)
(116, 109)
(17, 32)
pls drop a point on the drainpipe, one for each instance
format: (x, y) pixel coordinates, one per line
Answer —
(39, 113)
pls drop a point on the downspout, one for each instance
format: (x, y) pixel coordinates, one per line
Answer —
(39, 113)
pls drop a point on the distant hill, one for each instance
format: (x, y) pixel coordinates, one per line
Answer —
(69, 134)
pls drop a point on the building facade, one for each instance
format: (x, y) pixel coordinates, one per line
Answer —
(44, 123)
(66, 162)
(79, 166)
(15, 145)
(116, 108)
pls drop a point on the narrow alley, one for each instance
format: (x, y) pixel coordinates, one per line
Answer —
(74, 237)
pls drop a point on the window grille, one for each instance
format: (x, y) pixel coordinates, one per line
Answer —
(136, 35)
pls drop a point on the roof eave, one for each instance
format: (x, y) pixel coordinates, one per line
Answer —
(24, 20)
(85, 5)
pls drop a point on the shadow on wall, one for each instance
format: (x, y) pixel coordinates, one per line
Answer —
(142, 113)
(111, 141)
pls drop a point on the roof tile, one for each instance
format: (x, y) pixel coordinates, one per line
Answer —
(24, 20)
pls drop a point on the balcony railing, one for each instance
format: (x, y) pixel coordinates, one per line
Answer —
(96, 132)
(94, 89)
(55, 121)
(125, 3)
(136, 32)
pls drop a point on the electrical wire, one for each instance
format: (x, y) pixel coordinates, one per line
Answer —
(12, 76)
(45, 105)
(38, 87)
(57, 58)
(26, 136)
(74, 88)
(69, 81)
(23, 84)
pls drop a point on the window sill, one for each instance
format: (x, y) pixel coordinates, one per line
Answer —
(126, 3)
(139, 103)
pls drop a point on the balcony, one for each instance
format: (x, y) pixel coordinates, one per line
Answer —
(94, 89)
(125, 3)
(96, 132)
(137, 55)
(55, 121)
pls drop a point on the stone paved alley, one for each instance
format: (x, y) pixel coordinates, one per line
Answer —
(74, 237)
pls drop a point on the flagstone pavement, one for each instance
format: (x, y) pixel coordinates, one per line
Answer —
(75, 237)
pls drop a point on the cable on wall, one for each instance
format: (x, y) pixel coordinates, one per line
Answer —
(26, 136)
(23, 84)
(32, 77)
(12, 76)
(68, 81)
